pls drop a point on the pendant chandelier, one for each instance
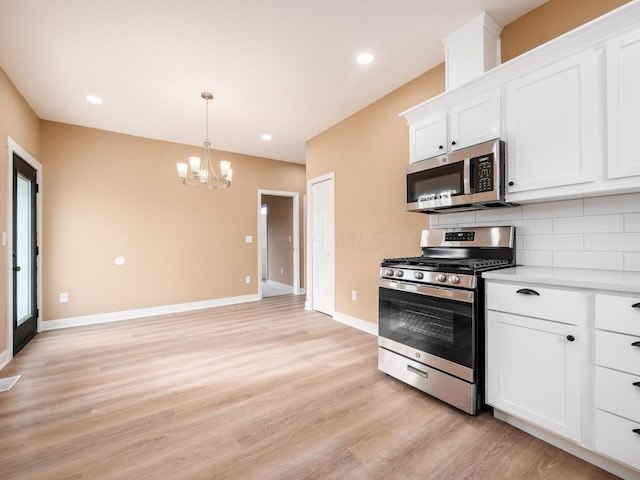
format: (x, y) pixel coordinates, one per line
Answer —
(201, 174)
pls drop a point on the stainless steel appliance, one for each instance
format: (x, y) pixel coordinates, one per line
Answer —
(431, 312)
(468, 179)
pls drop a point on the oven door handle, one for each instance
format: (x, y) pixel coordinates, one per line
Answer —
(448, 293)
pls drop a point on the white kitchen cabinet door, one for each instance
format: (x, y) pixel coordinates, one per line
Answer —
(475, 121)
(550, 126)
(534, 371)
(623, 105)
(428, 137)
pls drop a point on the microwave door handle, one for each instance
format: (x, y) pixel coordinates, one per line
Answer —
(466, 176)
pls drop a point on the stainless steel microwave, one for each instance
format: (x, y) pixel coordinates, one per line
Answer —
(468, 179)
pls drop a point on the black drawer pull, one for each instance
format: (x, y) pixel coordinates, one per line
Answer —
(636, 430)
(571, 338)
(636, 384)
(636, 344)
(636, 305)
(528, 291)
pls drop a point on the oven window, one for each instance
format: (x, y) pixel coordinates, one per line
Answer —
(434, 183)
(440, 327)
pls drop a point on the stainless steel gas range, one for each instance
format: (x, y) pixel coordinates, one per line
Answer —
(431, 312)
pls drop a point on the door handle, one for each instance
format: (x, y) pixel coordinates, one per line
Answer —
(16, 269)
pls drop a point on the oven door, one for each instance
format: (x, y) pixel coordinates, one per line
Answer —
(432, 325)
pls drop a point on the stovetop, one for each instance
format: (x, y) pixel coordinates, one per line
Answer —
(454, 257)
(452, 265)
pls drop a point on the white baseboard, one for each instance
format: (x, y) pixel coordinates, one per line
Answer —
(279, 285)
(144, 312)
(4, 358)
(354, 322)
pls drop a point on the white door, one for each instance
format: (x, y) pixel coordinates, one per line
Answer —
(322, 218)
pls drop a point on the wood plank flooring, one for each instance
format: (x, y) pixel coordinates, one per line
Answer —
(264, 390)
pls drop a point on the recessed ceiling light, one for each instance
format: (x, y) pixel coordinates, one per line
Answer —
(94, 99)
(266, 137)
(365, 58)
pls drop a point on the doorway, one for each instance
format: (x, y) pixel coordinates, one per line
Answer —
(321, 244)
(278, 238)
(24, 220)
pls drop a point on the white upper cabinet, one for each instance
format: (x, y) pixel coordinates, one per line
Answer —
(475, 121)
(428, 137)
(550, 129)
(468, 123)
(623, 105)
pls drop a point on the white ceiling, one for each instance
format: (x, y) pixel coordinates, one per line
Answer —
(284, 67)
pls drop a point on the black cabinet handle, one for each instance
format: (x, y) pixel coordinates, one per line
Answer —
(636, 384)
(440, 147)
(453, 143)
(636, 430)
(511, 184)
(636, 305)
(528, 291)
(571, 338)
(17, 269)
(636, 344)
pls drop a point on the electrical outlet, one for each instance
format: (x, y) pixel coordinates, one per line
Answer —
(64, 297)
(247, 279)
(354, 295)
(281, 271)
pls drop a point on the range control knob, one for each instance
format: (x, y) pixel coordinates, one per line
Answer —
(418, 275)
(441, 277)
(399, 273)
(388, 272)
(454, 279)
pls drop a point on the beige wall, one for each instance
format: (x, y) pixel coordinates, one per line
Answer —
(550, 20)
(279, 238)
(17, 121)
(369, 150)
(109, 195)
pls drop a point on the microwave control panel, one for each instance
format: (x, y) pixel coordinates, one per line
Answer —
(482, 168)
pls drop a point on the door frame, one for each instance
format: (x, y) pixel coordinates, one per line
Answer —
(308, 305)
(7, 239)
(296, 237)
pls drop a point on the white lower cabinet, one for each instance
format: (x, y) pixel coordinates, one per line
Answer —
(617, 385)
(535, 365)
(566, 361)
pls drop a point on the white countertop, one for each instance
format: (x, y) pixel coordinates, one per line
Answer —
(570, 277)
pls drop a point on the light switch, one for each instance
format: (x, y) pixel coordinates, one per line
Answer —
(248, 239)
(64, 297)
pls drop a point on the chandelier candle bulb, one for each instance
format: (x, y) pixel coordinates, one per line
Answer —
(225, 166)
(194, 163)
(182, 170)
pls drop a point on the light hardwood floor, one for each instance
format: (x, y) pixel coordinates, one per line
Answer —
(264, 390)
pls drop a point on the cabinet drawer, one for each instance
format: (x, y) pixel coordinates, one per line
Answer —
(533, 301)
(616, 438)
(618, 314)
(616, 393)
(615, 350)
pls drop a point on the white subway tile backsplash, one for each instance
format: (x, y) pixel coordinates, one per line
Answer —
(534, 258)
(629, 203)
(529, 227)
(564, 208)
(632, 222)
(618, 242)
(503, 214)
(632, 261)
(553, 242)
(593, 224)
(600, 233)
(596, 260)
